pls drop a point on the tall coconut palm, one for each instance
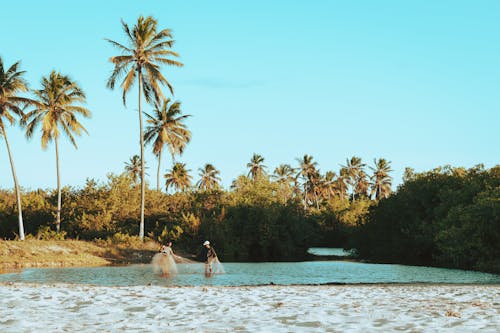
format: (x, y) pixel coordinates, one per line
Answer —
(58, 103)
(141, 60)
(307, 170)
(178, 177)
(342, 183)
(257, 169)
(11, 84)
(329, 185)
(285, 176)
(133, 168)
(315, 186)
(209, 178)
(166, 127)
(355, 172)
(361, 185)
(381, 181)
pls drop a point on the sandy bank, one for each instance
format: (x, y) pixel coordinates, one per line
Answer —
(380, 308)
(65, 253)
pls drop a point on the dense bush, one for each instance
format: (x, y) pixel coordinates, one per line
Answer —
(447, 216)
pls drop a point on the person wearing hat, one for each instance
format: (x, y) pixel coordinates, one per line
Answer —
(209, 256)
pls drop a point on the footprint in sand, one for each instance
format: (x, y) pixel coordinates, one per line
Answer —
(380, 322)
(136, 309)
(308, 324)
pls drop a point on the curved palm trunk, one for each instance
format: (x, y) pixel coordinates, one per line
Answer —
(158, 172)
(143, 184)
(58, 216)
(16, 188)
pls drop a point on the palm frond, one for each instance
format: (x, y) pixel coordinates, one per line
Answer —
(127, 83)
(118, 45)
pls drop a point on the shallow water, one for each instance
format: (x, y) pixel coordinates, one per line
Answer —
(238, 274)
(328, 251)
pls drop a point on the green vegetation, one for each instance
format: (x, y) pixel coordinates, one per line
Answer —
(446, 217)
(259, 218)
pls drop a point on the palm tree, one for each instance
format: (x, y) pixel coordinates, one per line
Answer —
(209, 178)
(329, 185)
(57, 109)
(285, 176)
(361, 185)
(167, 128)
(147, 50)
(178, 177)
(315, 184)
(307, 169)
(11, 84)
(257, 169)
(381, 181)
(355, 173)
(133, 168)
(342, 183)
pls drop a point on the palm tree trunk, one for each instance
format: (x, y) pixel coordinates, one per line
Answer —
(173, 163)
(354, 191)
(58, 216)
(316, 198)
(16, 188)
(305, 194)
(143, 184)
(158, 172)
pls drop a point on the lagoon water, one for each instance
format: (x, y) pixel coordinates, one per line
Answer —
(246, 274)
(329, 251)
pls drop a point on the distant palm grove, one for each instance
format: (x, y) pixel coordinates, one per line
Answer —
(447, 216)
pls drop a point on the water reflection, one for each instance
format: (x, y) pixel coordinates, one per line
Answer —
(237, 274)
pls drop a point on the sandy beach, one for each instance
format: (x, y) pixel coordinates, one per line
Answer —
(349, 308)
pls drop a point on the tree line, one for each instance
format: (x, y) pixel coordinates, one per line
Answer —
(260, 217)
(444, 217)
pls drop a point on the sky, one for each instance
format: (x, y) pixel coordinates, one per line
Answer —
(415, 82)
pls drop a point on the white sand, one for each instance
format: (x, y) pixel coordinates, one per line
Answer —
(406, 308)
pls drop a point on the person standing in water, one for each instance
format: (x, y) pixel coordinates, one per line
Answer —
(166, 260)
(210, 258)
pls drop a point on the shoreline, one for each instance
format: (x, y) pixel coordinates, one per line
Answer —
(347, 308)
(269, 285)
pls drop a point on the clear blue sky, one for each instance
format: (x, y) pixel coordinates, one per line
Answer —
(416, 82)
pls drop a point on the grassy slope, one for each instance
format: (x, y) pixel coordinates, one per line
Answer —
(39, 253)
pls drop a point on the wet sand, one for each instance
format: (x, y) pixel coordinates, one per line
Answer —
(349, 308)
